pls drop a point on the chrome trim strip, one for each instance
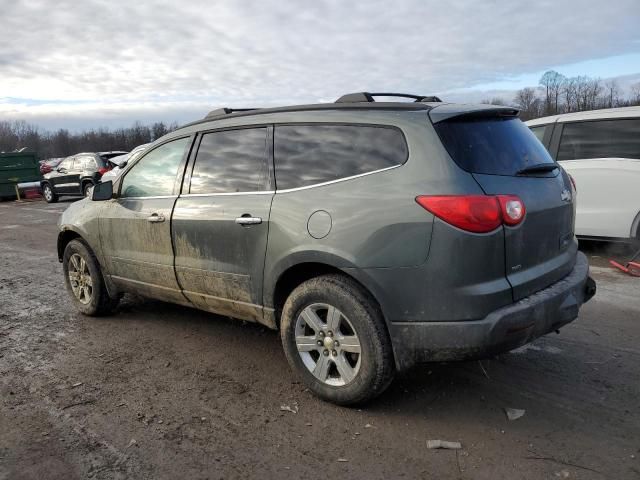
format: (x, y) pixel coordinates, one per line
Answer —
(262, 192)
(139, 282)
(147, 198)
(335, 181)
(222, 299)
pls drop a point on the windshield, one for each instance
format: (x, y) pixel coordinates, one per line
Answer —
(495, 146)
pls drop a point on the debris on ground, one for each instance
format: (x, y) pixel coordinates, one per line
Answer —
(431, 444)
(514, 413)
(131, 443)
(343, 460)
(287, 408)
(76, 384)
(368, 425)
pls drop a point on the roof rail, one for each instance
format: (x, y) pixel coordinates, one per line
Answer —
(368, 97)
(221, 112)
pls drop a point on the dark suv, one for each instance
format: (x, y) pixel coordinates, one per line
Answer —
(76, 175)
(373, 235)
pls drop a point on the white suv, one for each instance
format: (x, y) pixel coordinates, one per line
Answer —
(600, 149)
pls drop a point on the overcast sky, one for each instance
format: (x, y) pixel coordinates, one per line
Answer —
(88, 63)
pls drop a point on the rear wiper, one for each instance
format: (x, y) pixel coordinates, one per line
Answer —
(538, 168)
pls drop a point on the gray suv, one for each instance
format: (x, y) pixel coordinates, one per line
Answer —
(374, 235)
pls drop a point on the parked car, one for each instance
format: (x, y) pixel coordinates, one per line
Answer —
(121, 161)
(600, 149)
(373, 235)
(50, 164)
(76, 175)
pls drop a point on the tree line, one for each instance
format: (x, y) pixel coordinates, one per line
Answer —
(556, 94)
(62, 143)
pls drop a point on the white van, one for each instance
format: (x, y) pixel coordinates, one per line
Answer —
(600, 149)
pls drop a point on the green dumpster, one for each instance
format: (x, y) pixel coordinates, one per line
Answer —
(17, 167)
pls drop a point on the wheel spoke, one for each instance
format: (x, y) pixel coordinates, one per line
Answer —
(344, 369)
(321, 370)
(306, 344)
(312, 319)
(88, 280)
(350, 344)
(83, 265)
(76, 264)
(74, 276)
(333, 318)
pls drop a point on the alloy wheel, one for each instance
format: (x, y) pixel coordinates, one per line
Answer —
(328, 344)
(80, 279)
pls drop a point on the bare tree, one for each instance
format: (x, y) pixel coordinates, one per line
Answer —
(552, 83)
(528, 102)
(612, 93)
(635, 94)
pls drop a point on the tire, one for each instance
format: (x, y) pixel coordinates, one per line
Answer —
(360, 325)
(90, 295)
(49, 195)
(87, 188)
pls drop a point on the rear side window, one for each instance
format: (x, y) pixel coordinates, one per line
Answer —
(311, 154)
(231, 161)
(495, 146)
(538, 132)
(600, 139)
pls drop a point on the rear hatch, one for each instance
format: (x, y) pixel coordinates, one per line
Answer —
(505, 158)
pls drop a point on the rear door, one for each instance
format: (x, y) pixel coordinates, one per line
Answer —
(221, 221)
(603, 156)
(499, 151)
(135, 227)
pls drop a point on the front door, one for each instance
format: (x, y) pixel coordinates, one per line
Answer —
(66, 179)
(220, 222)
(135, 227)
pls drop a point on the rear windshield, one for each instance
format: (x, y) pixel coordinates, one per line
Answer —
(495, 146)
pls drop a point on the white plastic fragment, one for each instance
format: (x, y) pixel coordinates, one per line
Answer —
(514, 413)
(431, 444)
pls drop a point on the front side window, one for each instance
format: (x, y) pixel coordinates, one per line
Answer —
(231, 161)
(618, 138)
(66, 164)
(155, 173)
(85, 162)
(311, 154)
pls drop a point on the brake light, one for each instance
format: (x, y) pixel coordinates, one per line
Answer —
(475, 213)
(103, 170)
(573, 182)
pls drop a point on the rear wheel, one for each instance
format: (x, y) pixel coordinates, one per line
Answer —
(334, 336)
(84, 280)
(48, 194)
(87, 189)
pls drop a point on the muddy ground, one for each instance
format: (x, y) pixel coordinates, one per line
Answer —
(160, 391)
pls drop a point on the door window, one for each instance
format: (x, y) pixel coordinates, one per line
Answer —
(155, 173)
(231, 161)
(66, 164)
(311, 154)
(538, 132)
(85, 163)
(618, 138)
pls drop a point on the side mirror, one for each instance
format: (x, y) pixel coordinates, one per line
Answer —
(123, 164)
(102, 191)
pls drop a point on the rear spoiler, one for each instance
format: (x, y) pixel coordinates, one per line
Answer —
(453, 110)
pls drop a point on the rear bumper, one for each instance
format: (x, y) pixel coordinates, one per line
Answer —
(502, 330)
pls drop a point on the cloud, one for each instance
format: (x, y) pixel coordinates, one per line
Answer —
(116, 57)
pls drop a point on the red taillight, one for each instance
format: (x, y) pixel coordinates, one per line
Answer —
(103, 170)
(475, 213)
(573, 182)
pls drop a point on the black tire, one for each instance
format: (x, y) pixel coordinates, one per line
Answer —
(49, 195)
(85, 188)
(376, 365)
(99, 302)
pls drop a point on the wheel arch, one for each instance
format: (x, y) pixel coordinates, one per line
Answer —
(635, 228)
(294, 275)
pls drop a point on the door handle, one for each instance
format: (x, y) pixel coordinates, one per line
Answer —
(155, 218)
(247, 219)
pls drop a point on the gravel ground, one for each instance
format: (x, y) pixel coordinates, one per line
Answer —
(161, 391)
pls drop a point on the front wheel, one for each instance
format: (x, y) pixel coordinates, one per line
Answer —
(48, 193)
(84, 281)
(334, 336)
